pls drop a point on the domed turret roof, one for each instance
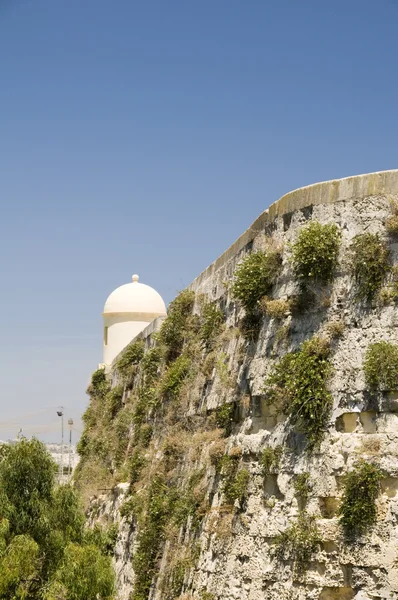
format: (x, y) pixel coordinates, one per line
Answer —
(135, 297)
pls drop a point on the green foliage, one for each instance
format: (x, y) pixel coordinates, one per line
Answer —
(19, 568)
(299, 542)
(381, 366)
(39, 521)
(302, 486)
(99, 385)
(270, 459)
(189, 501)
(175, 376)
(175, 328)
(150, 536)
(250, 325)
(206, 596)
(150, 363)
(315, 253)
(131, 357)
(254, 277)
(370, 264)
(85, 574)
(235, 479)
(114, 400)
(144, 435)
(212, 320)
(103, 538)
(135, 465)
(299, 383)
(224, 416)
(236, 488)
(358, 506)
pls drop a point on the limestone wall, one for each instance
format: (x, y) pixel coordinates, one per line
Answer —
(235, 551)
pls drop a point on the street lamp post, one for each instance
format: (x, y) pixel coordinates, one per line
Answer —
(60, 413)
(70, 423)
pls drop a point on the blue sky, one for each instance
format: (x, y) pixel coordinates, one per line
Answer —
(145, 137)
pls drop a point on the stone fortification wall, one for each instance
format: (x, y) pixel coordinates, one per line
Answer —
(235, 547)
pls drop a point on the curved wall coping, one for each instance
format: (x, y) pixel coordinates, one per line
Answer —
(327, 192)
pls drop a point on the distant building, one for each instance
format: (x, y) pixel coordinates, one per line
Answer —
(56, 452)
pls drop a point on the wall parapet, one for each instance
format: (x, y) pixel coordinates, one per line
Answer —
(326, 192)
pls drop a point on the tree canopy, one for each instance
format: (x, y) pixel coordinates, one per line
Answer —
(45, 550)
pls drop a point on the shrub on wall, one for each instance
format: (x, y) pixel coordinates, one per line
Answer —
(235, 479)
(299, 383)
(392, 221)
(299, 541)
(175, 376)
(175, 328)
(270, 459)
(131, 357)
(315, 253)
(212, 319)
(302, 487)
(254, 277)
(224, 417)
(381, 366)
(370, 264)
(358, 506)
(151, 362)
(99, 385)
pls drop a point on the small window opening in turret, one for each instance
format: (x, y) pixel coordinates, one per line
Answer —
(105, 336)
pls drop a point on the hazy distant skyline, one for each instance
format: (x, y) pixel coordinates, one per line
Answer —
(146, 137)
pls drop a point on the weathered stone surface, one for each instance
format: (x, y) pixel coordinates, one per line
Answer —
(239, 563)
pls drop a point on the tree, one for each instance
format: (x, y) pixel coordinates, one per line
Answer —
(42, 535)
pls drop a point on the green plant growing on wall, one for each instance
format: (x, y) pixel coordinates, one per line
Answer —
(299, 541)
(254, 277)
(270, 459)
(381, 366)
(176, 327)
(315, 253)
(114, 401)
(302, 487)
(236, 489)
(370, 264)
(175, 376)
(212, 319)
(222, 369)
(358, 505)
(204, 595)
(298, 382)
(99, 385)
(250, 326)
(151, 363)
(224, 417)
(235, 479)
(190, 500)
(131, 357)
(152, 522)
(135, 465)
(392, 220)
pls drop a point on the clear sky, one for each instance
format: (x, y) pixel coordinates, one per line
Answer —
(145, 137)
